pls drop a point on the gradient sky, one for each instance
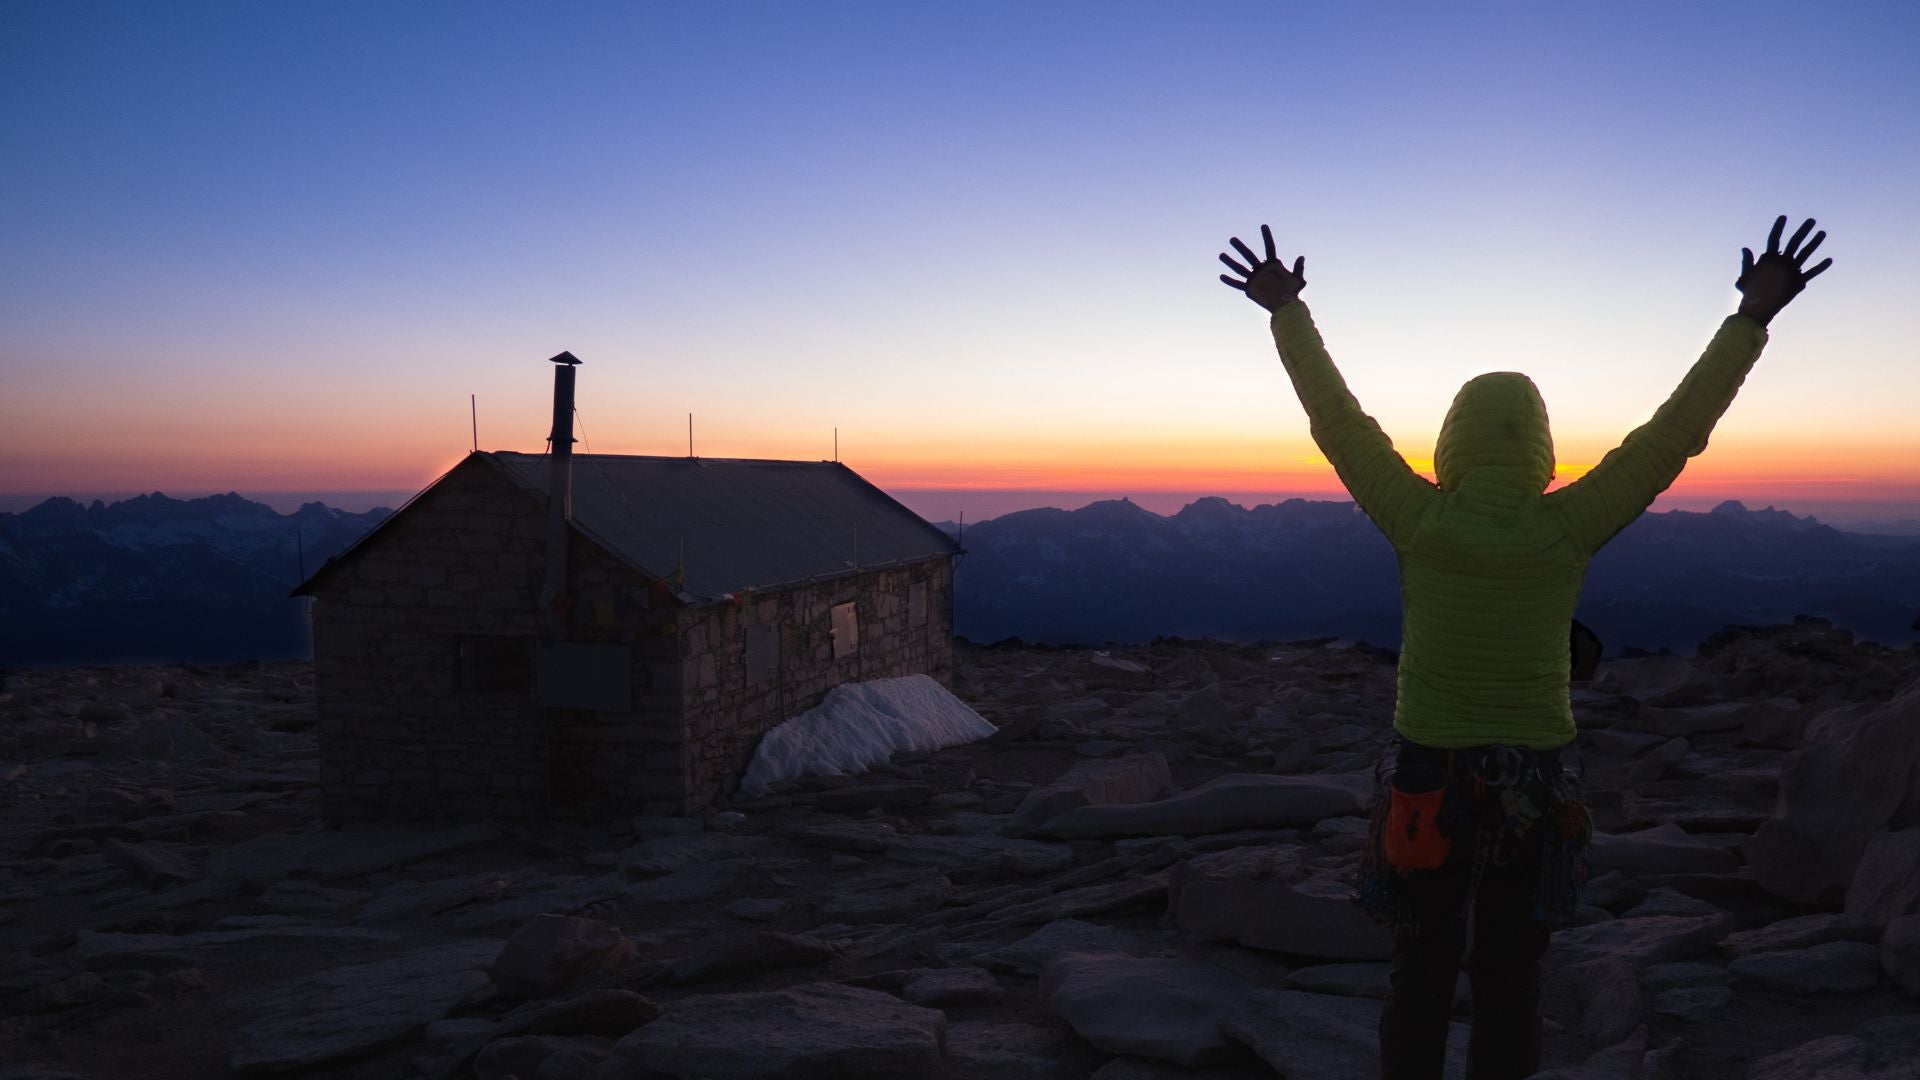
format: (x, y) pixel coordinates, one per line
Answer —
(274, 247)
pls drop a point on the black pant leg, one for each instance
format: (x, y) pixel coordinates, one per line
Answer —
(1504, 969)
(1426, 967)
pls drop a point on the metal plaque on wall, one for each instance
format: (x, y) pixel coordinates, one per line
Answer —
(763, 652)
(846, 631)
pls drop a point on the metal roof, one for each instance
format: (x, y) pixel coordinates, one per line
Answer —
(735, 524)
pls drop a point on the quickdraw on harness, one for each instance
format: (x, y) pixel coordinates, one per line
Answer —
(1506, 768)
(1563, 859)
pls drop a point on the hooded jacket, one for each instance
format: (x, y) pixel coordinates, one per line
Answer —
(1491, 564)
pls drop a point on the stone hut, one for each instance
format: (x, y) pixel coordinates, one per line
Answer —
(698, 602)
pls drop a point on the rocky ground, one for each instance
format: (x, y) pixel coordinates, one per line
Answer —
(1142, 875)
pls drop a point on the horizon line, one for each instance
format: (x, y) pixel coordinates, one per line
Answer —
(1889, 510)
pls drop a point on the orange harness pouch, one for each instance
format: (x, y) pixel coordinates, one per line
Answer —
(1413, 838)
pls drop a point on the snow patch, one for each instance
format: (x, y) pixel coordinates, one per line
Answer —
(858, 724)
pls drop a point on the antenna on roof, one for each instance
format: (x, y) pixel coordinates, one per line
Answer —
(473, 406)
(836, 445)
(689, 435)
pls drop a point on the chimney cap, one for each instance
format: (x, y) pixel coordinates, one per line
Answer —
(564, 358)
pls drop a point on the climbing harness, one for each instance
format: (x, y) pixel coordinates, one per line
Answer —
(1501, 828)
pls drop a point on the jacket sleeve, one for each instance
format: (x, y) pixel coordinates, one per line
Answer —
(1381, 482)
(1607, 499)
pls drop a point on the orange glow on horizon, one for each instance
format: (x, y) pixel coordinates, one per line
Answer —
(362, 457)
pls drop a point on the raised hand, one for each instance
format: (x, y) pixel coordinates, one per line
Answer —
(1267, 281)
(1768, 283)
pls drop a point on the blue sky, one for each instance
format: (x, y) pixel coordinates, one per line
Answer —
(277, 246)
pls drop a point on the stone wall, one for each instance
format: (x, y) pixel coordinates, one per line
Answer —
(726, 712)
(622, 762)
(410, 729)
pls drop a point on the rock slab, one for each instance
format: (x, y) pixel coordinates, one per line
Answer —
(1029, 955)
(818, 1031)
(1836, 967)
(887, 898)
(1226, 803)
(353, 1010)
(328, 854)
(937, 988)
(1886, 883)
(551, 951)
(1135, 778)
(1852, 772)
(1316, 918)
(1650, 940)
(1799, 932)
(1900, 953)
(685, 851)
(1321, 1035)
(1667, 849)
(977, 858)
(980, 1050)
(1157, 1007)
(1884, 1049)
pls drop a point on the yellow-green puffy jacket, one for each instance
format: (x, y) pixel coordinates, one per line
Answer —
(1490, 564)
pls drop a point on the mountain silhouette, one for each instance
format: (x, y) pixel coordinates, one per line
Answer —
(160, 579)
(1115, 572)
(205, 580)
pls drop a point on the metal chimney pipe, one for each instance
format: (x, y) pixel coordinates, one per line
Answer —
(559, 496)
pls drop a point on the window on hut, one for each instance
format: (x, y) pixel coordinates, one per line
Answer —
(917, 604)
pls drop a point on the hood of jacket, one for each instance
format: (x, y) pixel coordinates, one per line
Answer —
(1496, 433)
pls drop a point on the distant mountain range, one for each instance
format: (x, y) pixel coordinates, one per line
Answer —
(160, 579)
(1113, 571)
(206, 580)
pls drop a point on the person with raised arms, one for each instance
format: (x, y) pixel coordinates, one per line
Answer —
(1477, 842)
